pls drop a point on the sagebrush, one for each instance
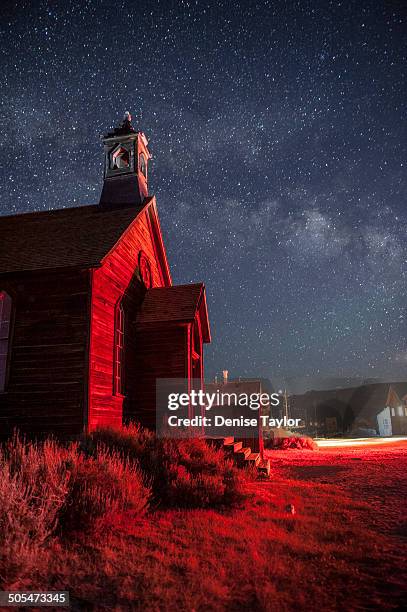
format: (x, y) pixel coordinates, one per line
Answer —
(182, 472)
(49, 490)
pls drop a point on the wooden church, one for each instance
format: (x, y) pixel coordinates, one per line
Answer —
(89, 317)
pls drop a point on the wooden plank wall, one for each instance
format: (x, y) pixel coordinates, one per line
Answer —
(117, 277)
(46, 393)
(161, 353)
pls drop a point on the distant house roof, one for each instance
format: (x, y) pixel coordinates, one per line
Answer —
(179, 303)
(68, 237)
(362, 401)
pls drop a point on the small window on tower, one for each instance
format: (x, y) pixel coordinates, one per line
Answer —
(143, 164)
(121, 159)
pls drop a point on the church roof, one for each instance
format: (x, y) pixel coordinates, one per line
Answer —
(178, 303)
(68, 237)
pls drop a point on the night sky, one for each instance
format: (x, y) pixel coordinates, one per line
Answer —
(279, 153)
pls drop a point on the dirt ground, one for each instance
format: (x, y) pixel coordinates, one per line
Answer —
(373, 474)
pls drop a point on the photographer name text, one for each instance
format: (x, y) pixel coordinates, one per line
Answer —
(221, 421)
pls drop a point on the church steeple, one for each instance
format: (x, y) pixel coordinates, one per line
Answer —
(126, 160)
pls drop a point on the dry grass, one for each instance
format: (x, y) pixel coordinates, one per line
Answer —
(184, 473)
(33, 490)
(291, 442)
(47, 490)
(332, 554)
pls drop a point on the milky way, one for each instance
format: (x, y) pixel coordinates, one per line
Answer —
(279, 149)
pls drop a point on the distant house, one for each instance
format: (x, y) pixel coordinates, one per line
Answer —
(89, 318)
(392, 420)
(384, 423)
(381, 407)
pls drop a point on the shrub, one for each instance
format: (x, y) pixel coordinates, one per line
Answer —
(101, 486)
(194, 491)
(131, 441)
(183, 472)
(193, 474)
(292, 442)
(46, 487)
(33, 489)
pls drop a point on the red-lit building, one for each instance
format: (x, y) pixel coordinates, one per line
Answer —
(89, 318)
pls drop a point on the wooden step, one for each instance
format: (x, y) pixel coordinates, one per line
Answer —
(264, 467)
(242, 455)
(234, 447)
(254, 459)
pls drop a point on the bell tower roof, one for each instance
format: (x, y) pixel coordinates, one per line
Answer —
(124, 129)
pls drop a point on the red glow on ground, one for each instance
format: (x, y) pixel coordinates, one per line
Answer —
(343, 547)
(372, 472)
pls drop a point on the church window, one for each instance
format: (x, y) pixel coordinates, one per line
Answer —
(5, 327)
(145, 270)
(143, 164)
(118, 386)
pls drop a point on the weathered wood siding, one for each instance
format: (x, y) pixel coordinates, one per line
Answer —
(117, 279)
(47, 361)
(161, 353)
